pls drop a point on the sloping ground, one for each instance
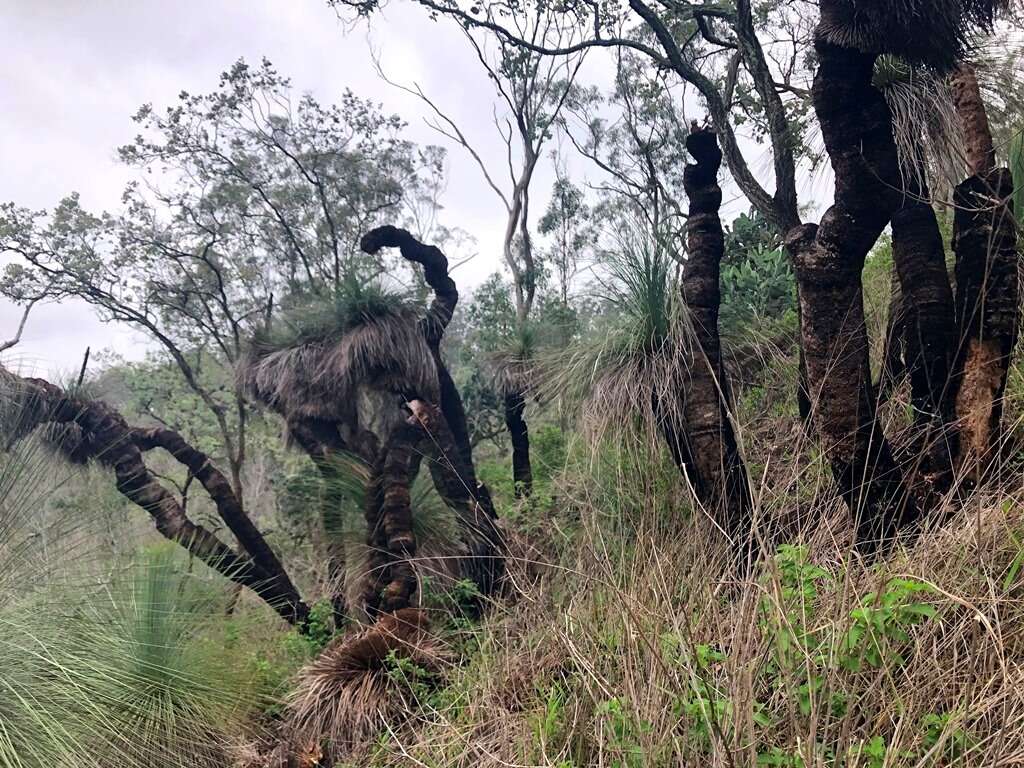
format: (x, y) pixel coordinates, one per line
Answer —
(636, 652)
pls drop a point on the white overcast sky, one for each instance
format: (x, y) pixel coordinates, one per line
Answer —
(76, 70)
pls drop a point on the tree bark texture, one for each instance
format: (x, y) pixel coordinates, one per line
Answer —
(107, 439)
(522, 471)
(828, 260)
(970, 108)
(719, 475)
(929, 336)
(987, 309)
(392, 581)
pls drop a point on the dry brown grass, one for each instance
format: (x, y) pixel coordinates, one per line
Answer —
(640, 649)
(358, 684)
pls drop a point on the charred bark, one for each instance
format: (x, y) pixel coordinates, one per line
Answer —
(446, 297)
(443, 437)
(970, 108)
(228, 506)
(485, 546)
(828, 260)
(719, 476)
(987, 309)
(522, 472)
(105, 437)
(390, 536)
(929, 333)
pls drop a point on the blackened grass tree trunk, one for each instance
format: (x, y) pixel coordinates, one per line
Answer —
(711, 457)
(519, 434)
(928, 331)
(987, 298)
(443, 426)
(828, 260)
(92, 431)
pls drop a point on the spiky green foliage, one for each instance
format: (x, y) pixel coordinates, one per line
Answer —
(619, 373)
(319, 353)
(313, 319)
(102, 664)
(937, 33)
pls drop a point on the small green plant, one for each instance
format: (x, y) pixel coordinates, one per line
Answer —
(548, 725)
(626, 731)
(951, 744)
(407, 674)
(879, 628)
(870, 754)
(780, 758)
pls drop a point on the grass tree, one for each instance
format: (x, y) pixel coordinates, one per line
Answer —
(364, 376)
(532, 90)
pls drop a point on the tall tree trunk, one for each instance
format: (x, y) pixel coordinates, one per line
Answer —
(453, 468)
(987, 299)
(828, 260)
(719, 475)
(929, 332)
(522, 471)
(988, 311)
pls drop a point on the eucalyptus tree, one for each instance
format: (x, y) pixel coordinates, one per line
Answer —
(242, 199)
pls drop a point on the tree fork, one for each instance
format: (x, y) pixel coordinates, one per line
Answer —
(107, 439)
(828, 260)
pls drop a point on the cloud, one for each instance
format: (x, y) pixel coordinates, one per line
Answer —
(84, 68)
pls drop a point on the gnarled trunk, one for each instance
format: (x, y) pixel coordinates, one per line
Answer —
(392, 581)
(987, 309)
(714, 463)
(103, 436)
(828, 260)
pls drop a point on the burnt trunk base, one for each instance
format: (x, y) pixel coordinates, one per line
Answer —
(988, 310)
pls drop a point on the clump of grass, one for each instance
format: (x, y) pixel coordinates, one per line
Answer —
(317, 318)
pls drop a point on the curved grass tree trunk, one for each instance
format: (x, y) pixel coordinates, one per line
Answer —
(711, 453)
(828, 260)
(444, 437)
(95, 432)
